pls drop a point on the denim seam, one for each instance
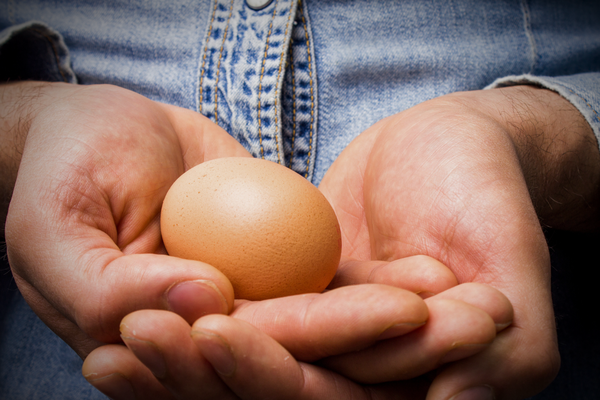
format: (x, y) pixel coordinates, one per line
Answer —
(293, 77)
(299, 107)
(219, 64)
(243, 63)
(270, 80)
(277, 90)
(202, 68)
(529, 33)
(312, 98)
(262, 74)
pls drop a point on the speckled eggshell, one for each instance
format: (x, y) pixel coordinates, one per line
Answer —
(269, 230)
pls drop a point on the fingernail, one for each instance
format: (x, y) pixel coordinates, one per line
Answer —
(148, 353)
(216, 350)
(194, 299)
(462, 351)
(116, 386)
(398, 330)
(475, 393)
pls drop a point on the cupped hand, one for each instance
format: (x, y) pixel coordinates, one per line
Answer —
(265, 349)
(84, 242)
(444, 180)
(232, 357)
(82, 230)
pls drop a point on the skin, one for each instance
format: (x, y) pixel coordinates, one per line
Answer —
(459, 179)
(262, 360)
(15, 118)
(83, 219)
(82, 232)
(83, 227)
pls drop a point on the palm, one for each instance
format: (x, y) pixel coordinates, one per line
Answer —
(442, 181)
(411, 186)
(358, 314)
(96, 166)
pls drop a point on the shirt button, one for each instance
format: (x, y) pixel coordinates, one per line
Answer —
(258, 4)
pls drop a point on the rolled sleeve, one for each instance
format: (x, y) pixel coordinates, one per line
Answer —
(34, 51)
(582, 90)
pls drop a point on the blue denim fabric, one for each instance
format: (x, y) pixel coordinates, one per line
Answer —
(35, 364)
(376, 58)
(241, 77)
(300, 99)
(363, 60)
(151, 47)
(293, 82)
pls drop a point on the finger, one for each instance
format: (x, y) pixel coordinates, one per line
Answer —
(489, 376)
(455, 330)
(359, 315)
(518, 364)
(188, 288)
(171, 355)
(114, 370)
(255, 366)
(484, 297)
(419, 274)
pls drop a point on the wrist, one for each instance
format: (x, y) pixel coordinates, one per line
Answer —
(20, 103)
(557, 151)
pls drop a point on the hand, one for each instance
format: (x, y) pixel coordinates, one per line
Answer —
(83, 225)
(222, 358)
(96, 164)
(449, 179)
(230, 357)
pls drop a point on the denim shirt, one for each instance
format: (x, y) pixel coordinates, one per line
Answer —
(294, 82)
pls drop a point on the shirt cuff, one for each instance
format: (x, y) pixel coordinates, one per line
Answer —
(34, 51)
(582, 90)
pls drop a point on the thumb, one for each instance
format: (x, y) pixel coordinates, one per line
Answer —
(89, 309)
(99, 294)
(200, 139)
(150, 281)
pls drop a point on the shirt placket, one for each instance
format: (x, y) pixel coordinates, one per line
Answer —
(242, 70)
(299, 110)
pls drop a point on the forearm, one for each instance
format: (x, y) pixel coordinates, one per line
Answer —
(557, 150)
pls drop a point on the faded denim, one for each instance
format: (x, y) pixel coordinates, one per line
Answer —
(294, 83)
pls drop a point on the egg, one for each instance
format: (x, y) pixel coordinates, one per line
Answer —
(269, 230)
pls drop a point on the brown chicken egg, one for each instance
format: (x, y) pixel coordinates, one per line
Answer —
(270, 231)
